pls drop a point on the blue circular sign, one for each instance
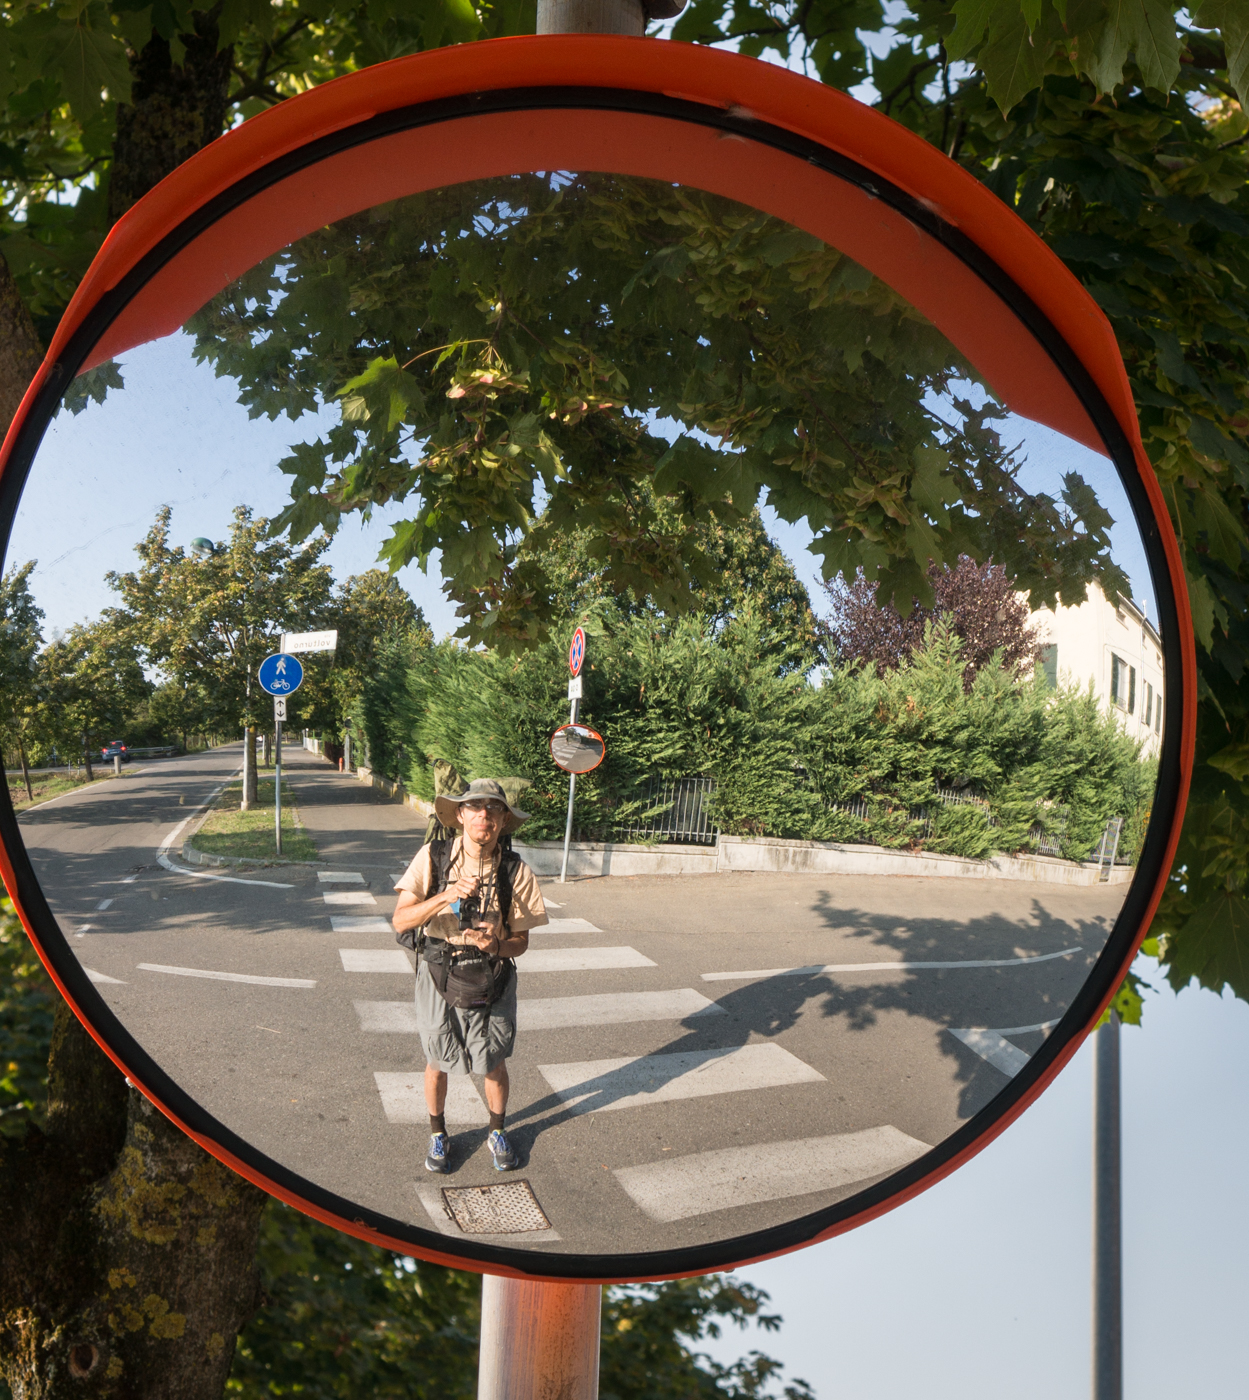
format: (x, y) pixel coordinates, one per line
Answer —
(576, 652)
(280, 674)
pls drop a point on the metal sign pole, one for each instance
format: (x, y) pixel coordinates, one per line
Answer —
(277, 778)
(573, 710)
(1107, 1217)
(539, 1341)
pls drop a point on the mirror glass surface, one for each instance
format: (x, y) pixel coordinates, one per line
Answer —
(845, 864)
(577, 749)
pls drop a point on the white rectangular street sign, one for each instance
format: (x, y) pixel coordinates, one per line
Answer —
(293, 642)
(279, 707)
(574, 688)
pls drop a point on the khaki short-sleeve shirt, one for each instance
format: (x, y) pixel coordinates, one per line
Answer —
(527, 911)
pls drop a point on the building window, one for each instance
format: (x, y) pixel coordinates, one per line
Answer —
(1049, 665)
(1158, 715)
(1122, 684)
(1149, 704)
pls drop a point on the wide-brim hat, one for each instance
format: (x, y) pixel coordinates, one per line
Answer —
(479, 790)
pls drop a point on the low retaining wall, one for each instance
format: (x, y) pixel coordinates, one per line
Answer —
(394, 790)
(779, 856)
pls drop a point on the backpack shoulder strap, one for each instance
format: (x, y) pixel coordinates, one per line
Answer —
(509, 863)
(439, 864)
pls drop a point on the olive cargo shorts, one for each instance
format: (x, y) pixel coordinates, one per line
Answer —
(464, 1040)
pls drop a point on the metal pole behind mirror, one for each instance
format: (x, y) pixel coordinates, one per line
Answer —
(1107, 1217)
(539, 1341)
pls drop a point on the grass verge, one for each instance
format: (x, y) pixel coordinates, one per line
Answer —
(53, 785)
(249, 835)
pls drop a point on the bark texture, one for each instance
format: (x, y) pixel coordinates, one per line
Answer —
(174, 111)
(127, 1253)
(20, 349)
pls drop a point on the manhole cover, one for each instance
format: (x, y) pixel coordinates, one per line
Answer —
(506, 1209)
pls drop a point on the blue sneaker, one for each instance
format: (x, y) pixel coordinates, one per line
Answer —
(438, 1158)
(505, 1159)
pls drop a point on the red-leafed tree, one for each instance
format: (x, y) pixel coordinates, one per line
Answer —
(978, 601)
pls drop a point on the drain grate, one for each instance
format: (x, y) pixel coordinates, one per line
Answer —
(507, 1209)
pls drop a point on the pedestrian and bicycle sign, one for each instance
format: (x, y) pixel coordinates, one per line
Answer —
(576, 652)
(280, 674)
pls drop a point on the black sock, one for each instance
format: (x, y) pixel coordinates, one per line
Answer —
(496, 1121)
(438, 1122)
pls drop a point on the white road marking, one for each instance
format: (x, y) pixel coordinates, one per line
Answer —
(597, 1085)
(100, 977)
(229, 976)
(554, 1013)
(992, 1045)
(833, 969)
(403, 1098)
(340, 877)
(746, 1176)
(430, 1196)
(162, 851)
(130, 879)
(338, 898)
(387, 1017)
(616, 1008)
(103, 904)
(550, 903)
(83, 928)
(375, 960)
(566, 926)
(394, 879)
(344, 923)
(580, 959)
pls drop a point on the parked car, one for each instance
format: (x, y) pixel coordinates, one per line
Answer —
(114, 748)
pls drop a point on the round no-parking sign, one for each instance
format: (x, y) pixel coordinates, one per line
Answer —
(576, 652)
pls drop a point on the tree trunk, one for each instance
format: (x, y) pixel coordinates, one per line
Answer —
(20, 350)
(21, 750)
(173, 111)
(86, 757)
(126, 1252)
(249, 768)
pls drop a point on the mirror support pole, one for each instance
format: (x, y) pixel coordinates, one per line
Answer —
(1107, 1217)
(591, 17)
(539, 1341)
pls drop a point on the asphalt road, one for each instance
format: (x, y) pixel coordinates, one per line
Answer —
(697, 1057)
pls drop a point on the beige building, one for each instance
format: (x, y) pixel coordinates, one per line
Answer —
(1115, 647)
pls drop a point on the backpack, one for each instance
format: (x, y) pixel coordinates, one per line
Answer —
(465, 978)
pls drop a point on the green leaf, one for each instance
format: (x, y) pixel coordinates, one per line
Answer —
(1012, 64)
(1144, 29)
(87, 62)
(1231, 19)
(1233, 760)
(972, 18)
(1212, 945)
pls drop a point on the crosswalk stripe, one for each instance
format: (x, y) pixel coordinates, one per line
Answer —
(228, 976)
(566, 926)
(386, 1017)
(339, 897)
(556, 1013)
(991, 1044)
(435, 1207)
(594, 1086)
(580, 959)
(344, 923)
(397, 876)
(617, 1008)
(833, 969)
(340, 877)
(403, 1098)
(772, 1171)
(375, 960)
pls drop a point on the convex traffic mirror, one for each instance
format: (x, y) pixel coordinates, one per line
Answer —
(852, 872)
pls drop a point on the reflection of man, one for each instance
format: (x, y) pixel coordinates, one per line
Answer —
(466, 908)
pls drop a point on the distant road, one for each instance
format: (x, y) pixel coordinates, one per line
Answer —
(697, 1057)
